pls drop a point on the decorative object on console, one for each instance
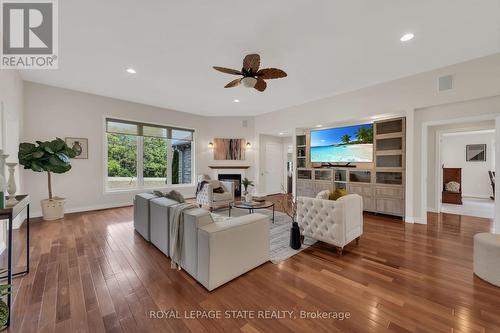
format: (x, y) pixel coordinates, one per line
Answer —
(452, 187)
(252, 76)
(3, 157)
(475, 153)
(451, 176)
(246, 183)
(3, 190)
(80, 146)
(11, 185)
(229, 149)
(51, 157)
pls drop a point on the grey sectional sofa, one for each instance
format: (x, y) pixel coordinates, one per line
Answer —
(212, 253)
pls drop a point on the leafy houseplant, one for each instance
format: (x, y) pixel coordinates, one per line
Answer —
(51, 157)
(5, 289)
(246, 183)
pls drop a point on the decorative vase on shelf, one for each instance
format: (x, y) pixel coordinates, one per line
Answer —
(11, 185)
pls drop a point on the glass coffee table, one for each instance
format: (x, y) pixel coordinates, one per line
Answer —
(251, 206)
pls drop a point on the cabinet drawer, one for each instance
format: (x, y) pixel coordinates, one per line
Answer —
(390, 206)
(391, 192)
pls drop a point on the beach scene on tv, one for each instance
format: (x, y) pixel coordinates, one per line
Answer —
(343, 144)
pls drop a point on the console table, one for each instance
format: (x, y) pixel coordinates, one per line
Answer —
(10, 213)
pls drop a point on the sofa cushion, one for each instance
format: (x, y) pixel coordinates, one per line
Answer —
(223, 196)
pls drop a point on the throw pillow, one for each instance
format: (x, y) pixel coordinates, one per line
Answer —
(174, 195)
(325, 194)
(218, 190)
(158, 193)
(338, 193)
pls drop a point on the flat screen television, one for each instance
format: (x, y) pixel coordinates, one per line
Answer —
(343, 144)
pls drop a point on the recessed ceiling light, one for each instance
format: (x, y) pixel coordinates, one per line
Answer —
(281, 133)
(318, 126)
(236, 100)
(407, 37)
(131, 71)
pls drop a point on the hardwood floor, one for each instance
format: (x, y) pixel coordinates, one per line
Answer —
(92, 273)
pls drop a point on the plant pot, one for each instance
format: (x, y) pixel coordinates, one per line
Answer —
(53, 209)
(248, 197)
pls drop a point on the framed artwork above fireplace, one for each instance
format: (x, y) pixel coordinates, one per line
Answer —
(229, 149)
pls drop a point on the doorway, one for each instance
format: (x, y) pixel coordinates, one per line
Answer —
(273, 167)
(467, 155)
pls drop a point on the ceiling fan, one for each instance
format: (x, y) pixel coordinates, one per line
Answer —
(253, 77)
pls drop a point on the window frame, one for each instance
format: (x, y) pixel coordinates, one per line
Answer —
(140, 156)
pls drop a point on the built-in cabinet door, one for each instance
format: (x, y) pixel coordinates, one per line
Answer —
(392, 192)
(390, 206)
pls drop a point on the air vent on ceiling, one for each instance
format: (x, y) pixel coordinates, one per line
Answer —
(245, 123)
(445, 83)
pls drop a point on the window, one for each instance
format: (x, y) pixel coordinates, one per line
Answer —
(147, 156)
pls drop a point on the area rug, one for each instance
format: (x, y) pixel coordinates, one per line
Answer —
(280, 249)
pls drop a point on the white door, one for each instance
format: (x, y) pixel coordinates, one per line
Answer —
(274, 168)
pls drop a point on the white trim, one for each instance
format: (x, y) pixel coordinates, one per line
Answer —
(3, 246)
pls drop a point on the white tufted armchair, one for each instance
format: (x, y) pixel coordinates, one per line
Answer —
(207, 197)
(335, 222)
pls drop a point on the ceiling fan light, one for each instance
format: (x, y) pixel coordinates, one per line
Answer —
(249, 82)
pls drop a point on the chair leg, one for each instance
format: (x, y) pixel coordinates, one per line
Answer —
(339, 250)
(357, 240)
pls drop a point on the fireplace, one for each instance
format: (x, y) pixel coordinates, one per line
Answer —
(236, 178)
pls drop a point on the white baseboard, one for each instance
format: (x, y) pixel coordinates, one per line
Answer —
(476, 196)
(409, 219)
(88, 208)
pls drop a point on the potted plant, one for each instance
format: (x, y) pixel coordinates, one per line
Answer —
(5, 289)
(51, 157)
(246, 183)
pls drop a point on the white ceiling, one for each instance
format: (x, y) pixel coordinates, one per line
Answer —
(326, 47)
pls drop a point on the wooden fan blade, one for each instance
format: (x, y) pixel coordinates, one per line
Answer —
(227, 70)
(251, 63)
(271, 73)
(260, 85)
(233, 83)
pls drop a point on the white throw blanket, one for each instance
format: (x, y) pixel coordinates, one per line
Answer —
(176, 232)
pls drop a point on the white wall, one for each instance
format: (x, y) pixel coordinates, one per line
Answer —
(415, 97)
(11, 101)
(475, 179)
(51, 112)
